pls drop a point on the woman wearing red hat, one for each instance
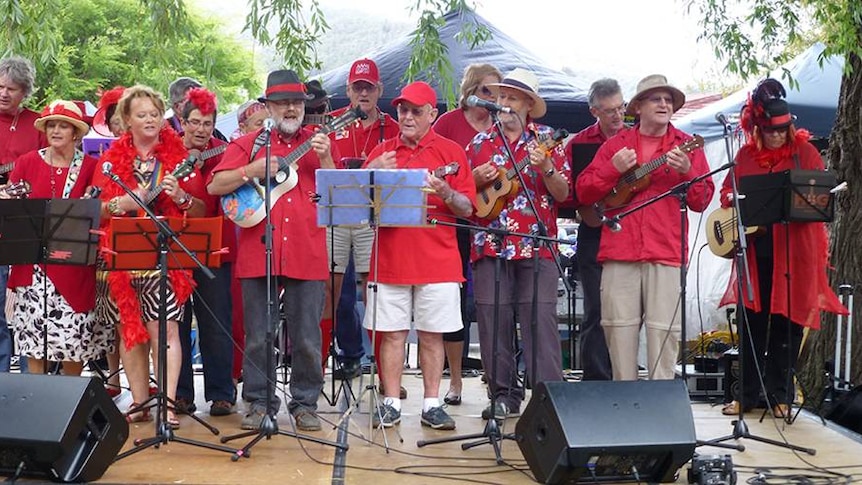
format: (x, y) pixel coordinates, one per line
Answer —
(773, 144)
(145, 157)
(67, 292)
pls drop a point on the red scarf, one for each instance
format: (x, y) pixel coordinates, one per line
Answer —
(768, 159)
(170, 152)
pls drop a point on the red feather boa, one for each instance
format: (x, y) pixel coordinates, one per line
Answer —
(170, 151)
(770, 158)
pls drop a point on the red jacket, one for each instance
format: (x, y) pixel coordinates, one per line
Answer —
(650, 235)
(809, 250)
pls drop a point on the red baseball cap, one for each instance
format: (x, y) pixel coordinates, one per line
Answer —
(364, 70)
(419, 93)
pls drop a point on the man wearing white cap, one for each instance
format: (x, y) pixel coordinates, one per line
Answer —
(640, 262)
(547, 183)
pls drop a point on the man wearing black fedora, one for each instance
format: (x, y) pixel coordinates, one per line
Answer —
(298, 253)
(641, 260)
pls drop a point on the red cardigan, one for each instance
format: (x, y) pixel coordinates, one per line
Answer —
(810, 292)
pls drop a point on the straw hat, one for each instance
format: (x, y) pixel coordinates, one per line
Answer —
(63, 111)
(526, 82)
(651, 83)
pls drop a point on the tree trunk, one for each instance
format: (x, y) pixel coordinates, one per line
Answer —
(844, 156)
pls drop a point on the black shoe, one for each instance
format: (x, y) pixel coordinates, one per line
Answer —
(184, 405)
(349, 369)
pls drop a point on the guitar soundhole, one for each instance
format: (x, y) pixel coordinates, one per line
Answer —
(498, 185)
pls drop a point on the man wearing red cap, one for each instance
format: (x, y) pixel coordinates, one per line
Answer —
(424, 281)
(17, 137)
(355, 142)
(298, 254)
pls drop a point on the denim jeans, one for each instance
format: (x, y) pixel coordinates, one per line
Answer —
(348, 330)
(303, 304)
(212, 308)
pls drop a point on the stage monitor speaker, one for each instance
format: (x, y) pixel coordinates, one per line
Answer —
(61, 427)
(605, 431)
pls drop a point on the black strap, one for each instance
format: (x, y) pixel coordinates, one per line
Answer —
(796, 160)
(382, 123)
(259, 142)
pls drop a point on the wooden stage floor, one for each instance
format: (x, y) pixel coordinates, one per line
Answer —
(284, 459)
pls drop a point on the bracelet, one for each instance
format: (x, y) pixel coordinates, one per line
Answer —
(550, 172)
(114, 207)
(185, 202)
(244, 173)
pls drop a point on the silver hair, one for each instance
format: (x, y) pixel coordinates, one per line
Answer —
(178, 89)
(603, 88)
(20, 71)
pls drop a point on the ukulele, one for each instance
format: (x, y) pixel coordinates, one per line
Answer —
(491, 199)
(721, 233)
(638, 178)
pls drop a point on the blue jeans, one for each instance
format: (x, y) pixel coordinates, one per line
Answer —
(212, 308)
(303, 303)
(348, 329)
(5, 335)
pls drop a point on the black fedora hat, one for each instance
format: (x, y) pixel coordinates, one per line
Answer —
(284, 84)
(319, 97)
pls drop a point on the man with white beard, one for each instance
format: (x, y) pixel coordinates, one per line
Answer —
(299, 261)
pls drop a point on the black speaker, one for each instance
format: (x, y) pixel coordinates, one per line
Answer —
(597, 431)
(64, 428)
(847, 410)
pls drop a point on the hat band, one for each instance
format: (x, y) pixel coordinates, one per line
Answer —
(518, 84)
(780, 120)
(286, 88)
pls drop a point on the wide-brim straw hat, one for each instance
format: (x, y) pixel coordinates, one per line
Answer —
(655, 82)
(526, 82)
(63, 110)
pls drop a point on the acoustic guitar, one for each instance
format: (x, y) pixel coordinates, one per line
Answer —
(721, 232)
(199, 157)
(184, 169)
(18, 190)
(638, 178)
(246, 206)
(491, 198)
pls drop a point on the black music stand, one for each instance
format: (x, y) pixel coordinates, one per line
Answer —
(140, 243)
(49, 231)
(373, 197)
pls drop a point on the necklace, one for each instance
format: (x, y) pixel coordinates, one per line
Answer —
(14, 125)
(59, 170)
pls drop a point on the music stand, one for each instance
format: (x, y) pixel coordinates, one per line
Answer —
(48, 231)
(139, 243)
(374, 197)
(784, 197)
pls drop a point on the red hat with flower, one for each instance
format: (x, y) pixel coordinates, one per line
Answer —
(201, 99)
(107, 103)
(766, 108)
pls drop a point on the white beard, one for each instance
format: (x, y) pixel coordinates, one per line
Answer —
(288, 127)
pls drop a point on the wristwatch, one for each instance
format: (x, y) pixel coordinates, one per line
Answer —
(549, 172)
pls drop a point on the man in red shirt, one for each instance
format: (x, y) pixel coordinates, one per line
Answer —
(18, 136)
(298, 253)
(355, 142)
(212, 298)
(608, 107)
(640, 262)
(546, 173)
(418, 272)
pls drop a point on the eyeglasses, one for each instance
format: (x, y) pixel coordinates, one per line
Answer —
(612, 111)
(361, 86)
(404, 110)
(198, 123)
(485, 91)
(658, 98)
(769, 130)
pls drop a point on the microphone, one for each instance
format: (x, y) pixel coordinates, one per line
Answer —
(268, 125)
(478, 102)
(106, 168)
(838, 188)
(721, 118)
(612, 223)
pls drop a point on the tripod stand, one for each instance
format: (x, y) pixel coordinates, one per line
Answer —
(133, 243)
(374, 197)
(268, 425)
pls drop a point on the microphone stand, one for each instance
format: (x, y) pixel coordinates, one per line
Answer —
(492, 434)
(164, 432)
(268, 425)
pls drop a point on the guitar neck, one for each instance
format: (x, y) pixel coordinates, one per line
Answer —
(513, 172)
(207, 154)
(7, 167)
(650, 167)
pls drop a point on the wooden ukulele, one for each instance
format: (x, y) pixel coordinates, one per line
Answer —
(18, 190)
(491, 198)
(185, 168)
(721, 234)
(638, 178)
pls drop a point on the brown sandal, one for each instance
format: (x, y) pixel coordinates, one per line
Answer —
(173, 421)
(731, 408)
(780, 410)
(139, 416)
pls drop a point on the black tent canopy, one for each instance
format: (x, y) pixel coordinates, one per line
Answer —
(566, 96)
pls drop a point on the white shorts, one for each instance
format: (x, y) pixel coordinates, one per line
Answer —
(434, 307)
